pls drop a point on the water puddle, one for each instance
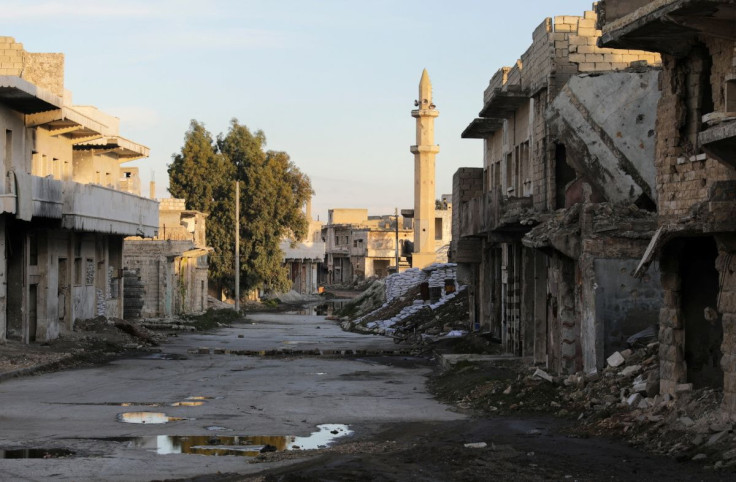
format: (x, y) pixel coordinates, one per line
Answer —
(146, 417)
(35, 453)
(188, 403)
(248, 445)
(163, 356)
(328, 308)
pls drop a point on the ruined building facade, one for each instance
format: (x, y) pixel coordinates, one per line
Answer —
(63, 215)
(547, 233)
(166, 275)
(304, 260)
(695, 164)
(358, 246)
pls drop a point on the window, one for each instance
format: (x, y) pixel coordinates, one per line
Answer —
(77, 271)
(90, 272)
(509, 171)
(438, 229)
(8, 147)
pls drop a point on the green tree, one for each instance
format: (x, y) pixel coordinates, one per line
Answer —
(273, 191)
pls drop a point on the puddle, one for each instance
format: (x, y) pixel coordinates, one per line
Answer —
(218, 428)
(146, 417)
(248, 445)
(163, 356)
(35, 453)
(188, 403)
(321, 309)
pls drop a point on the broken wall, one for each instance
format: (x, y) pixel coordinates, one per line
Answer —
(610, 143)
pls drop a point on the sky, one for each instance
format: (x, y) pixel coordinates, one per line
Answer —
(330, 82)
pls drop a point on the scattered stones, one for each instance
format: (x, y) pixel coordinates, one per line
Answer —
(543, 375)
(615, 360)
(630, 370)
(699, 457)
(715, 438)
(476, 445)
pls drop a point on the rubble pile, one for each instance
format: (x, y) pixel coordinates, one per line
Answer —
(621, 400)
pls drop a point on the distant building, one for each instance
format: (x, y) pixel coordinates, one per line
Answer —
(359, 246)
(304, 260)
(63, 212)
(166, 275)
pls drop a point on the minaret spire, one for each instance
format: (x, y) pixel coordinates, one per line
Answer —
(424, 165)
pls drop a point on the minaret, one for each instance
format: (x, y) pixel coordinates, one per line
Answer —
(424, 153)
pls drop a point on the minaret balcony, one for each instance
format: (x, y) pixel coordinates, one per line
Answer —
(425, 113)
(419, 149)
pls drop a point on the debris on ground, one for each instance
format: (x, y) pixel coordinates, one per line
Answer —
(622, 400)
(92, 341)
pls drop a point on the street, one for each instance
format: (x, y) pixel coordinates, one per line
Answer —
(211, 394)
(78, 410)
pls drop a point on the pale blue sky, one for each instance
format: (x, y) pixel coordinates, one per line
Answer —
(331, 82)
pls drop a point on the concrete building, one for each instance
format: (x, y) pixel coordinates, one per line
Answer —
(695, 166)
(63, 215)
(359, 246)
(547, 232)
(305, 260)
(424, 152)
(166, 275)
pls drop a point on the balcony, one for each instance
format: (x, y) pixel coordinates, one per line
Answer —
(719, 142)
(491, 212)
(93, 208)
(670, 26)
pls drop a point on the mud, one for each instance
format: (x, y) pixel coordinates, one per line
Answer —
(516, 449)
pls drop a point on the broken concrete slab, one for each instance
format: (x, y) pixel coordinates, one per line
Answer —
(615, 360)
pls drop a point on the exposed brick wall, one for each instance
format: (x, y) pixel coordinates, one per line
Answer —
(684, 176)
(43, 69)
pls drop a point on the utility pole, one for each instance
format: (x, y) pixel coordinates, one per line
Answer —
(396, 213)
(237, 246)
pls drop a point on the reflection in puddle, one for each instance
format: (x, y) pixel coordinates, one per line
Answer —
(321, 309)
(187, 404)
(239, 445)
(146, 417)
(35, 453)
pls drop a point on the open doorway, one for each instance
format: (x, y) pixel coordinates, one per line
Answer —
(702, 323)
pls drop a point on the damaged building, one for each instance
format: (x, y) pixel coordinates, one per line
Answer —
(358, 246)
(695, 165)
(63, 215)
(547, 234)
(305, 260)
(166, 275)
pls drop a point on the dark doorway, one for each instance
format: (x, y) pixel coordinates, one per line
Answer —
(32, 312)
(703, 326)
(16, 276)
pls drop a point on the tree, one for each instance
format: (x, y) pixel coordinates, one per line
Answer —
(273, 191)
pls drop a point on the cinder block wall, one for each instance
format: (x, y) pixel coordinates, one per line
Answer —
(467, 183)
(683, 176)
(43, 69)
